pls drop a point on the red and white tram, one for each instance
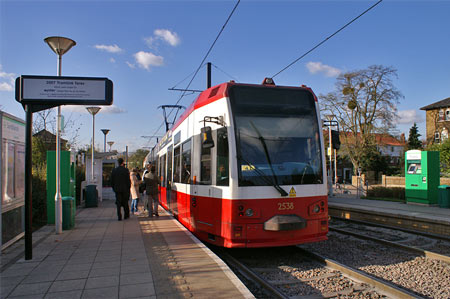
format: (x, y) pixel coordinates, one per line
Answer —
(243, 166)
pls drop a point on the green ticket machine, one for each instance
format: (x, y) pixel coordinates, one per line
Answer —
(67, 182)
(422, 177)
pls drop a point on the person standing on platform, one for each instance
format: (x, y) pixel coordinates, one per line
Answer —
(121, 184)
(145, 197)
(151, 186)
(134, 190)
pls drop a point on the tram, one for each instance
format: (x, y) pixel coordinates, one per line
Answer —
(244, 166)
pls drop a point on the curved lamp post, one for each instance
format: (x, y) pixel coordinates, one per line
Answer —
(93, 111)
(59, 45)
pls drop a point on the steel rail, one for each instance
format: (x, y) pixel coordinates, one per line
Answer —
(422, 252)
(247, 272)
(424, 234)
(384, 286)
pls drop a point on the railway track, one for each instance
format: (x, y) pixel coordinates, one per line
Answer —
(424, 273)
(430, 245)
(303, 273)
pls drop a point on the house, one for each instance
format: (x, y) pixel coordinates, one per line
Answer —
(50, 140)
(391, 147)
(437, 121)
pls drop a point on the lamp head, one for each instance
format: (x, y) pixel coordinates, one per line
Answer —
(105, 131)
(93, 110)
(60, 45)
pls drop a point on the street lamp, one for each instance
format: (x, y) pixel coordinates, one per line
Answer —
(105, 132)
(59, 45)
(330, 118)
(110, 143)
(93, 111)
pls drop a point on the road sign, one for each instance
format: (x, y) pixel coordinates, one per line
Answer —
(55, 90)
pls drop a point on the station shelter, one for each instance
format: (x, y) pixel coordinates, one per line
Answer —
(12, 182)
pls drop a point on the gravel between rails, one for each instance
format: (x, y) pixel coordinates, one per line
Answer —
(296, 275)
(426, 277)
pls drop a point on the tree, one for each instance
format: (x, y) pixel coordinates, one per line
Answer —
(364, 103)
(137, 159)
(413, 138)
(444, 154)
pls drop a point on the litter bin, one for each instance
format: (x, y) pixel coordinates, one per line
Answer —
(444, 196)
(91, 199)
(68, 213)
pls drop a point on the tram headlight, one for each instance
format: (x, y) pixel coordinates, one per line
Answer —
(316, 209)
(249, 213)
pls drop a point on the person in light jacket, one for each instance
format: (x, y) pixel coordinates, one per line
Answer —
(134, 190)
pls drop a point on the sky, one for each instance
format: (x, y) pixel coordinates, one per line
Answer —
(146, 47)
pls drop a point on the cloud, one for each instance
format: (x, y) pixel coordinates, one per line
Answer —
(168, 36)
(111, 49)
(319, 67)
(105, 109)
(6, 87)
(409, 117)
(112, 60)
(9, 77)
(147, 59)
(131, 65)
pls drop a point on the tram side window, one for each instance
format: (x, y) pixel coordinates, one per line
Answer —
(222, 173)
(205, 166)
(162, 163)
(176, 165)
(186, 163)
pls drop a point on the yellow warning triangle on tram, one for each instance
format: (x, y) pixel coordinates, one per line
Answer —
(292, 192)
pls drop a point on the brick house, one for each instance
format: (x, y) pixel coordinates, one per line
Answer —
(437, 121)
(50, 140)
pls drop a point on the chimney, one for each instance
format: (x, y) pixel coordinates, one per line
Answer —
(402, 137)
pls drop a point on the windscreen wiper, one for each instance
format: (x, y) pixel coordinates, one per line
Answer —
(263, 176)
(266, 152)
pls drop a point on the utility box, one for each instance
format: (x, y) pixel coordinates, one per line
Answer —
(422, 177)
(67, 182)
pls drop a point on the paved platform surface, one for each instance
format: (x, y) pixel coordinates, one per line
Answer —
(430, 219)
(389, 207)
(139, 257)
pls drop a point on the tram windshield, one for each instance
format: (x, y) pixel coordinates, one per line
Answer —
(277, 136)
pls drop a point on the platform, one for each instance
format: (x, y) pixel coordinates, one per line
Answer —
(429, 219)
(139, 257)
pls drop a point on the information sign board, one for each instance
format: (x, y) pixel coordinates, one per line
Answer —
(55, 90)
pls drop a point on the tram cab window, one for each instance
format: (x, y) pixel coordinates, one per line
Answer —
(186, 162)
(222, 171)
(176, 165)
(205, 165)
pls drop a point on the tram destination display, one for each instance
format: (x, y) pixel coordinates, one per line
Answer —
(55, 90)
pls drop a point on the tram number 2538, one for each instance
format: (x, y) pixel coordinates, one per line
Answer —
(285, 206)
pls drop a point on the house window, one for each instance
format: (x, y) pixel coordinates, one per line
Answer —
(392, 148)
(447, 114)
(441, 115)
(437, 137)
(444, 134)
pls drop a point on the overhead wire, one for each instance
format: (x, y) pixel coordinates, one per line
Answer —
(326, 39)
(224, 72)
(203, 61)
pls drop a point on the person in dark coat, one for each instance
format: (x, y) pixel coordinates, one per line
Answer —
(152, 181)
(121, 183)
